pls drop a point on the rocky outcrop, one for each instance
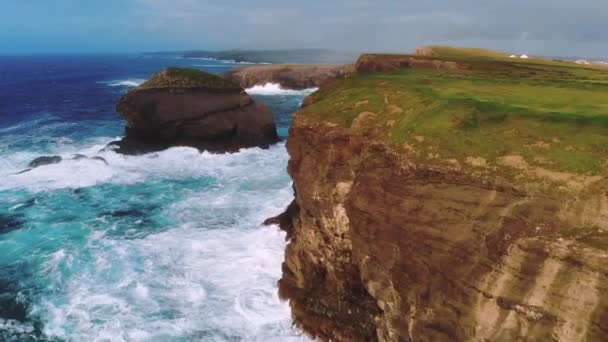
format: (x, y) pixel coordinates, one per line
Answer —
(44, 160)
(387, 248)
(387, 63)
(288, 76)
(186, 107)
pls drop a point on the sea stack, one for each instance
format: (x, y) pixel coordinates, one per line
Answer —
(188, 107)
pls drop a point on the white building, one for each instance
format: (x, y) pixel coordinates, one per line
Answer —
(524, 56)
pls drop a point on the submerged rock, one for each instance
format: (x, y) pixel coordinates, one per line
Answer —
(49, 160)
(78, 156)
(9, 223)
(101, 159)
(187, 107)
(45, 160)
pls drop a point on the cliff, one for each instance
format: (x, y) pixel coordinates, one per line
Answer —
(451, 205)
(186, 107)
(288, 76)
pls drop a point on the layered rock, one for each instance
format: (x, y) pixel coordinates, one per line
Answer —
(288, 76)
(186, 107)
(384, 247)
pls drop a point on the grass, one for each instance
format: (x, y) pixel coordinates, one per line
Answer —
(554, 114)
(186, 77)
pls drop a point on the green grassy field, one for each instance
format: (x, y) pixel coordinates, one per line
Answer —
(554, 114)
(187, 77)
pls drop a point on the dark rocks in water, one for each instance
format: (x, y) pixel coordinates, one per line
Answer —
(10, 305)
(23, 171)
(78, 156)
(101, 159)
(45, 160)
(187, 107)
(48, 160)
(8, 223)
(15, 305)
(82, 156)
(125, 213)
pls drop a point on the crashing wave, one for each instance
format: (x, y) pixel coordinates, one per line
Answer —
(126, 83)
(276, 89)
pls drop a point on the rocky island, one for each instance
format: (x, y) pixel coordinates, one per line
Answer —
(188, 107)
(452, 195)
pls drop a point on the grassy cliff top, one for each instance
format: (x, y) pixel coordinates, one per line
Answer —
(533, 114)
(186, 78)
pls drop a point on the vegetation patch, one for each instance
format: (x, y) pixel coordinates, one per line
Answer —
(187, 78)
(552, 113)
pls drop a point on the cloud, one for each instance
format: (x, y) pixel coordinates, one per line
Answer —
(537, 26)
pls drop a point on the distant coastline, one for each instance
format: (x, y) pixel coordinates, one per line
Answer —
(290, 56)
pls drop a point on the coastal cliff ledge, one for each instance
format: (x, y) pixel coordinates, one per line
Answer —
(450, 205)
(288, 76)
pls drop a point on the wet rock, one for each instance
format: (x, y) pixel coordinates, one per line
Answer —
(78, 156)
(9, 223)
(101, 159)
(23, 171)
(45, 160)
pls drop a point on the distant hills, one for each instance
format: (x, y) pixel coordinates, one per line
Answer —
(290, 56)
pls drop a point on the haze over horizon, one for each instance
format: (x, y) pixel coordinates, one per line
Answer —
(541, 27)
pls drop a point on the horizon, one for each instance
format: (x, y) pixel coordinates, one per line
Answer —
(144, 26)
(178, 52)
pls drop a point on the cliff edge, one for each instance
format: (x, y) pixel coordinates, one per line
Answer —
(451, 204)
(287, 76)
(187, 107)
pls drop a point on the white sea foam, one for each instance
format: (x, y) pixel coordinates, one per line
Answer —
(211, 276)
(173, 163)
(232, 61)
(209, 65)
(275, 89)
(126, 83)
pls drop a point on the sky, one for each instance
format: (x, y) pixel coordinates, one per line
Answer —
(541, 27)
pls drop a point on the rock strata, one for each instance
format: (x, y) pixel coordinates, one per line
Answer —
(390, 249)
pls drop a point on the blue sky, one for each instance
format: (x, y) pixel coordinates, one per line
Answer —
(547, 27)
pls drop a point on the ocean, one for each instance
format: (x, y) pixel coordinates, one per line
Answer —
(165, 246)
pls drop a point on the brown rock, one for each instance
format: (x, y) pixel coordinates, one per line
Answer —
(288, 76)
(387, 63)
(185, 107)
(384, 248)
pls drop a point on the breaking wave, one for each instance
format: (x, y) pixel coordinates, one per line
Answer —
(276, 89)
(126, 83)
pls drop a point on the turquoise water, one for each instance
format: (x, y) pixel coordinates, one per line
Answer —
(160, 247)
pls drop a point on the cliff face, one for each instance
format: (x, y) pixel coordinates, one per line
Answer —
(288, 76)
(385, 247)
(182, 107)
(455, 196)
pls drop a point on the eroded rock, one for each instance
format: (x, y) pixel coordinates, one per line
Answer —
(383, 248)
(187, 107)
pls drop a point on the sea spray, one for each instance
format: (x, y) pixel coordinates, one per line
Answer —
(162, 246)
